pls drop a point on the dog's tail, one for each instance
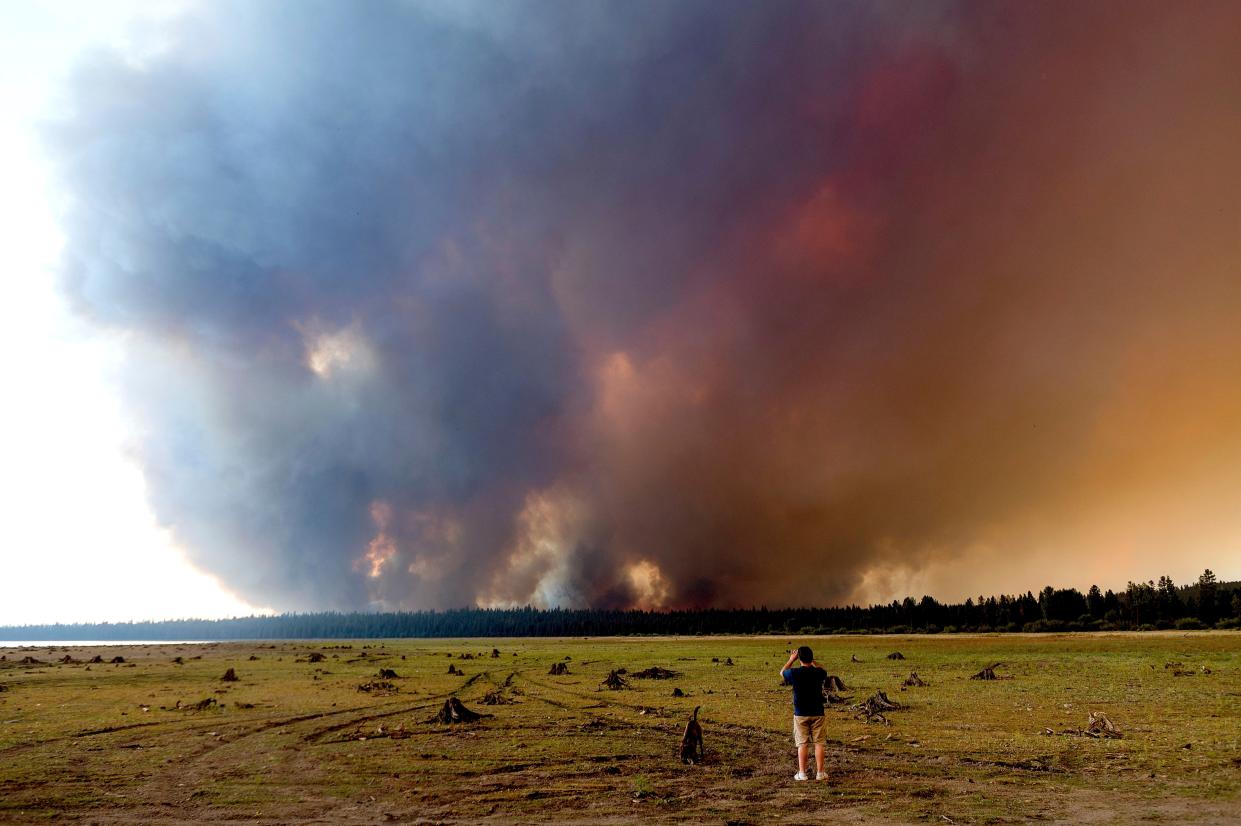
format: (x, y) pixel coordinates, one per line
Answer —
(695, 717)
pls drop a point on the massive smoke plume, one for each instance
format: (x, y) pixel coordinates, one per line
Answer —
(664, 303)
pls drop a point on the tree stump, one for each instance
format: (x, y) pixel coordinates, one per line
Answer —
(1100, 726)
(834, 683)
(558, 669)
(496, 697)
(388, 674)
(914, 680)
(655, 673)
(872, 710)
(896, 655)
(453, 712)
(452, 669)
(987, 673)
(615, 681)
(495, 653)
(230, 676)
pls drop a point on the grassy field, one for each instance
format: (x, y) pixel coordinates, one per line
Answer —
(297, 741)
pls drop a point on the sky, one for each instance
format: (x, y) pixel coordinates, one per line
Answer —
(408, 305)
(80, 540)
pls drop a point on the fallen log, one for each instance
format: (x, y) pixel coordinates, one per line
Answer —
(896, 655)
(398, 733)
(655, 673)
(201, 705)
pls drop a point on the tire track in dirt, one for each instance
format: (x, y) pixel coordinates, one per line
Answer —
(158, 787)
(423, 704)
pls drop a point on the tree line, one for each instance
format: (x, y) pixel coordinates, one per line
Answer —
(1142, 606)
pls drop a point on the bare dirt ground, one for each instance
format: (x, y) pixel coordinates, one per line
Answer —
(296, 740)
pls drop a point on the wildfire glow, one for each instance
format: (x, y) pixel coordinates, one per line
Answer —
(650, 588)
(382, 547)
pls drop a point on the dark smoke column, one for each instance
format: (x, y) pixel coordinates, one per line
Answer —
(657, 304)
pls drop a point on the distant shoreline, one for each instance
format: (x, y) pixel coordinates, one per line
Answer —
(44, 644)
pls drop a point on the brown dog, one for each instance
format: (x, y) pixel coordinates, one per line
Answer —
(691, 741)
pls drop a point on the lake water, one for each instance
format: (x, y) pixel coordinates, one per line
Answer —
(66, 643)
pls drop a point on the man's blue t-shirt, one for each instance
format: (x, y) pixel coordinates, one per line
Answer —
(807, 682)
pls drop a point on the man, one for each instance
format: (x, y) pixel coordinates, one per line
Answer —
(808, 726)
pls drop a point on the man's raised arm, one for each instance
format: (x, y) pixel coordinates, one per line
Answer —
(789, 664)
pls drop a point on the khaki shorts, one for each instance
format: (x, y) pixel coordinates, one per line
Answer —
(809, 730)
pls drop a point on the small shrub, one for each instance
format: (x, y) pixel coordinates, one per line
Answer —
(1189, 624)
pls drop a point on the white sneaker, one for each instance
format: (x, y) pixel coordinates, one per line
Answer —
(820, 776)
(800, 776)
